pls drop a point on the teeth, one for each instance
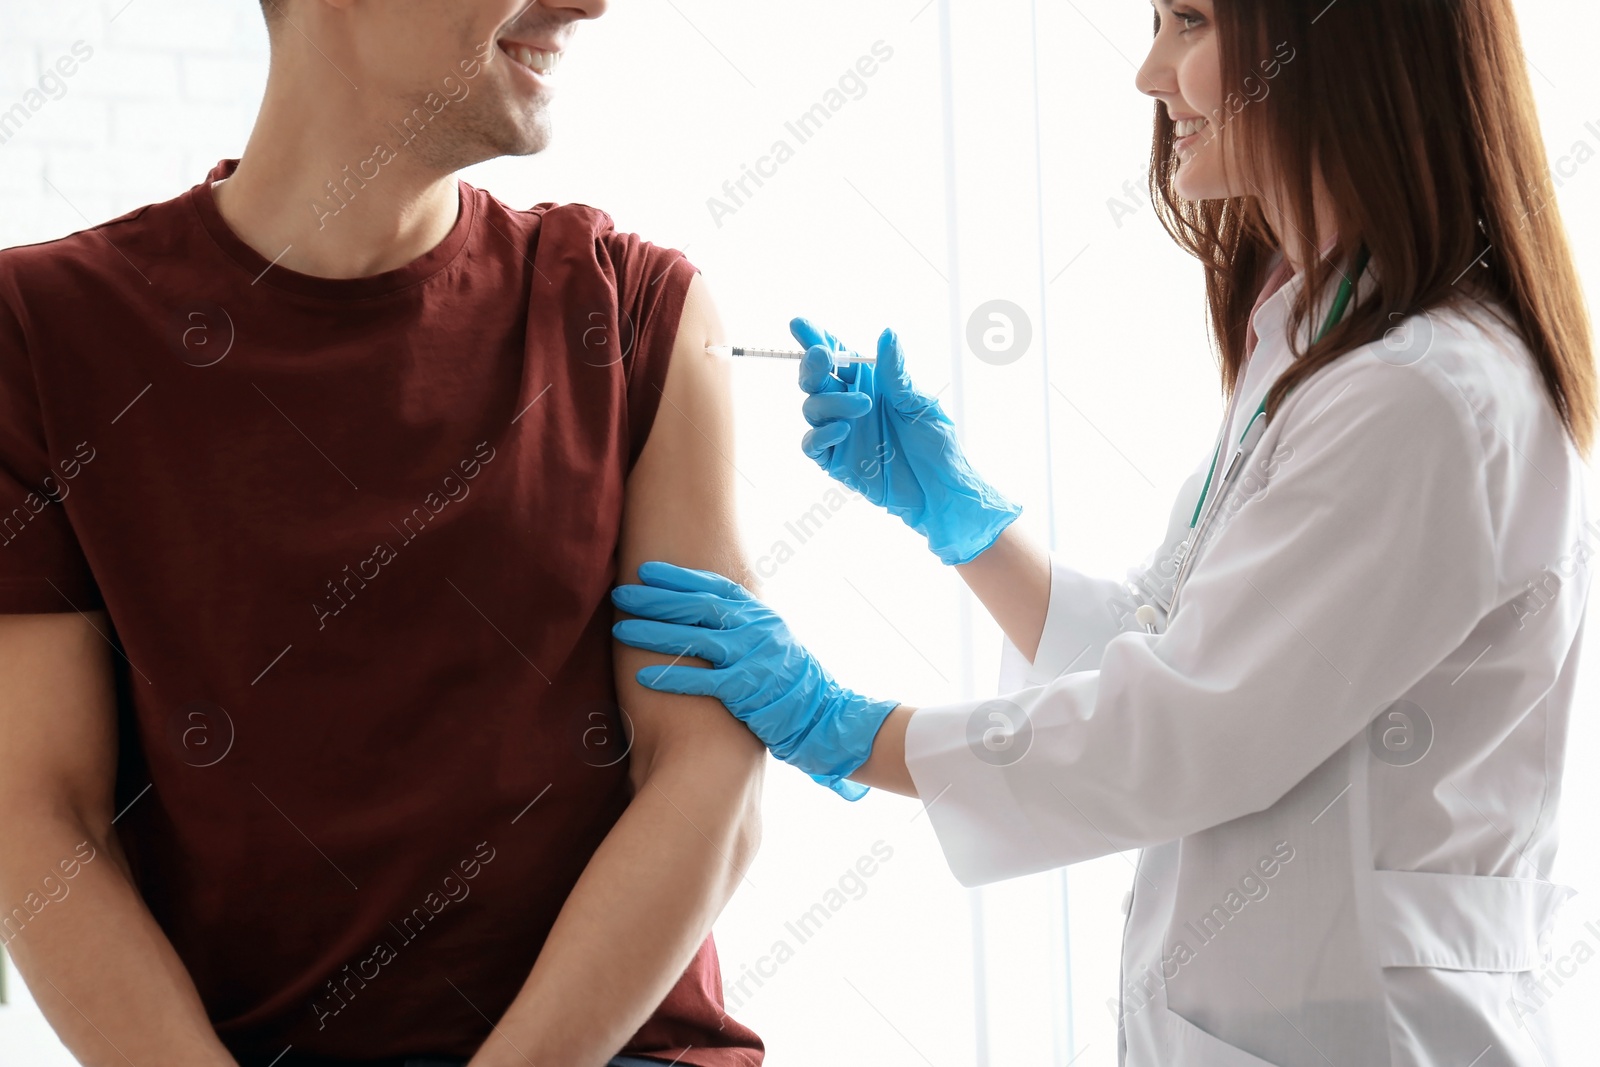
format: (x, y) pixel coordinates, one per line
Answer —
(543, 62)
(1189, 127)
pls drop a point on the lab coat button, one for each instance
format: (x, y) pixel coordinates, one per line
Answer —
(1127, 902)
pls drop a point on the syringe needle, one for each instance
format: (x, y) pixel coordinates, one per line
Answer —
(784, 353)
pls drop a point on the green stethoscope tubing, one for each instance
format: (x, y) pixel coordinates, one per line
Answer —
(1341, 303)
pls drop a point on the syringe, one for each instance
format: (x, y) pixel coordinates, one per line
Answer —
(786, 353)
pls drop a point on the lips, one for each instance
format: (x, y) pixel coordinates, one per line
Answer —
(541, 58)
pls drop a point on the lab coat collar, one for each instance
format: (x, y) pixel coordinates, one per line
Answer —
(1272, 356)
(1270, 318)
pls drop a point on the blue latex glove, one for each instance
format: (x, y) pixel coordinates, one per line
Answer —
(758, 669)
(873, 431)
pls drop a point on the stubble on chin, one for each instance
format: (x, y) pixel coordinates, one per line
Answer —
(477, 136)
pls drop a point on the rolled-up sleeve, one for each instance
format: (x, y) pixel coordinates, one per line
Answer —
(1364, 560)
(1087, 611)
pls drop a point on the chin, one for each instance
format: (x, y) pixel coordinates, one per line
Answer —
(512, 135)
(531, 133)
(1192, 183)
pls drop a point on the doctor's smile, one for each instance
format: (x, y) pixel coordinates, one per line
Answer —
(415, 535)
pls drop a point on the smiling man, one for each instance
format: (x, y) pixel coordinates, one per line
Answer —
(313, 483)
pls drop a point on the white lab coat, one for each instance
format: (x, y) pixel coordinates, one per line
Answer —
(1310, 893)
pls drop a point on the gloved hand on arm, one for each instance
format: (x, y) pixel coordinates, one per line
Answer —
(875, 432)
(758, 669)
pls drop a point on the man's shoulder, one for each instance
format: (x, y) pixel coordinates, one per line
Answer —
(111, 248)
(577, 223)
(551, 213)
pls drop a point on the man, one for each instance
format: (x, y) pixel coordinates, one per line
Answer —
(315, 482)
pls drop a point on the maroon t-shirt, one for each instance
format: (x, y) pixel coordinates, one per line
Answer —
(355, 540)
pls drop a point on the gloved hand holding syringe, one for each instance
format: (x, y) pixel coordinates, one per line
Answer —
(874, 431)
(878, 434)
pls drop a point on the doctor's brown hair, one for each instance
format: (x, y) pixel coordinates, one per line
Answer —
(1422, 119)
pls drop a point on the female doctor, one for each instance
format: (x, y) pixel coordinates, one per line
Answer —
(1331, 706)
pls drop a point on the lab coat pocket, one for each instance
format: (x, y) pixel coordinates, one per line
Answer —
(1193, 1047)
(1464, 922)
(1453, 946)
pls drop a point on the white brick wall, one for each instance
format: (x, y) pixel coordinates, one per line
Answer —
(171, 87)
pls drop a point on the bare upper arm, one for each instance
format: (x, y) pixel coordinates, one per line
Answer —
(680, 507)
(58, 721)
